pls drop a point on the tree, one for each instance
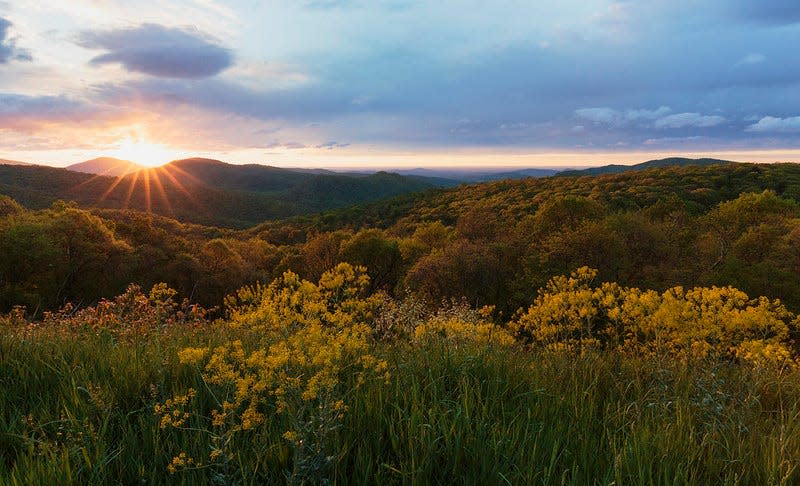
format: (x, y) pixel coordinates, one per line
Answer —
(380, 254)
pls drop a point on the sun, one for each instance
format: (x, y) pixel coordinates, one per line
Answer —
(143, 152)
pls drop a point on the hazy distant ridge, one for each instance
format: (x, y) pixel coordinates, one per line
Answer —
(108, 166)
(13, 162)
(650, 164)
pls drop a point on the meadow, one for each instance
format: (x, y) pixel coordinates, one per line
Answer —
(306, 382)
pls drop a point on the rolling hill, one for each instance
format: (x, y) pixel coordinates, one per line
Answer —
(453, 177)
(108, 166)
(250, 177)
(13, 162)
(506, 202)
(650, 164)
(204, 191)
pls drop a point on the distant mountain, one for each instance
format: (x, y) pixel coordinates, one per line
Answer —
(13, 162)
(205, 191)
(668, 162)
(452, 177)
(108, 166)
(251, 177)
(300, 184)
(513, 174)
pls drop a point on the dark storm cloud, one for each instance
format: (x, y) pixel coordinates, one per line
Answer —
(159, 51)
(8, 48)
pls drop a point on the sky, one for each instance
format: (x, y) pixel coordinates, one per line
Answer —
(399, 83)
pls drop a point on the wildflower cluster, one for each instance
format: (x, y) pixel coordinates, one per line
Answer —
(173, 412)
(182, 461)
(299, 342)
(715, 322)
(130, 315)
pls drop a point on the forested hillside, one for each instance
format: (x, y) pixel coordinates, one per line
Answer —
(491, 243)
(650, 164)
(204, 191)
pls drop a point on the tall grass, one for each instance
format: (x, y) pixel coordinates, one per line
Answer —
(80, 411)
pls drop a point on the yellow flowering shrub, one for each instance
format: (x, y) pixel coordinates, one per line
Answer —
(309, 338)
(570, 312)
(715, 322)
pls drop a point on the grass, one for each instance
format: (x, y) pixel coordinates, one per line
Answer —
(80, 411)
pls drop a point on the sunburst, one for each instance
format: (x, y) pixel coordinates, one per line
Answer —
(152, 182)
(143, 152)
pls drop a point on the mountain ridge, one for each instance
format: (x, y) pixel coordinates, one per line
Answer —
(13, 162)
(206, 192)
(107, 166)
(650, 164)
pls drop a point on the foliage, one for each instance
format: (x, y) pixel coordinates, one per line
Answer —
(308, 398)
(722, 323)
(309, 337)
(655, 367)
(724, 225)
(310, 382)
(205, 191)
(46, 255)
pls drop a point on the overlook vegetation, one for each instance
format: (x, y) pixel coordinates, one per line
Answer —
(637, 328)
(307, 382)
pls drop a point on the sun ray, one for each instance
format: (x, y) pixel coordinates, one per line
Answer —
(148, 201)
(112, 186)
(183, 173)
(175, 182)
(131, 188)
(88, 181)
(110, 189)
(160, 190)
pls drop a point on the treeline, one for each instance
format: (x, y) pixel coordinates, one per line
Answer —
(736, 224)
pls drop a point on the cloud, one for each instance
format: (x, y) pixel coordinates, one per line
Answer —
(350, 4)
(285, 145)
(681, 120)
(773, 124)
(750, 59)
(598, 115)
(159, 51)
(420, 77)
(666, 141)
(29, 113)
(8, 47)
(332, 145)
(611, 116)
(300, 103)
(642, 114)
